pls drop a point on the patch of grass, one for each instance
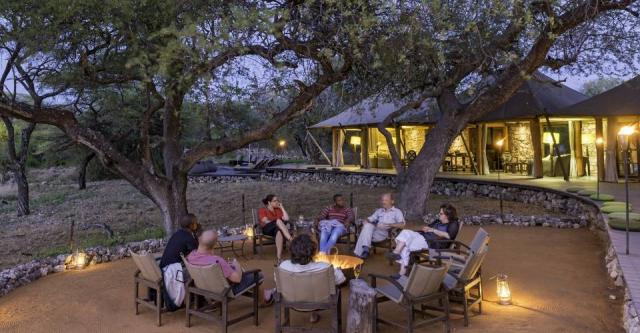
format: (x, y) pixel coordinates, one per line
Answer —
(147, 233)
(9, 196)
(50, 198)
(101, 239)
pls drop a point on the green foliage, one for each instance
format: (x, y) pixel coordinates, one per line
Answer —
(600, 85)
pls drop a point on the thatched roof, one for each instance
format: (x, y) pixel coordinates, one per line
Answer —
(623, 100)
(535, 97)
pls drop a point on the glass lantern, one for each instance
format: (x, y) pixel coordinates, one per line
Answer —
(502, 289)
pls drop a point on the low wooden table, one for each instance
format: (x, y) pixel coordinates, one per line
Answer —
(228, 243)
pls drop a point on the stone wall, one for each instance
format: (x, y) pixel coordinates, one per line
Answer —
(520, 141)
(583, 211)
(19, 275)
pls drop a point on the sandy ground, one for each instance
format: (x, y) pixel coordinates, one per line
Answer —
(557, 278)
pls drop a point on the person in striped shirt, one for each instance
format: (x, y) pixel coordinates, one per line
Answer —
(333, 221)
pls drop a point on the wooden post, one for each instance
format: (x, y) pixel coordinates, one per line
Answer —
(479, 154)
(536, 143)
(611, 167)
(599, 150)
(364, 148)
(577, 130)
(360, 316)
(334, 146)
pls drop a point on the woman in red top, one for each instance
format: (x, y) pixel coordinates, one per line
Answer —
(273, 218)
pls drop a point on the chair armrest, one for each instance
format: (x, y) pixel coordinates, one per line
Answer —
(389, 279)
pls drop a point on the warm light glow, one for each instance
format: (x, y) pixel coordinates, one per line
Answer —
(282, 143)
(339, 261)
(627, 130)
(499, 143)
(355, 140)
(248, 231)
(599, 141)
(548, 139)
(77, 260)
(587, 139)
(502, 290)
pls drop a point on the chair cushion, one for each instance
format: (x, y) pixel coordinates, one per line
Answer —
(602, 197)
(619, 224)
(622, 216)
(586, 192)
(450, 281)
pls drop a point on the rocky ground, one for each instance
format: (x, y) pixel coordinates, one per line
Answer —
(115, 206)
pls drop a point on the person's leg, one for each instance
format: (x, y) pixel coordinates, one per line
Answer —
(284, 230)
(336, 232)
(364, 240)
(399, 246)
(324, 238)
(279, 245)
(247, 280)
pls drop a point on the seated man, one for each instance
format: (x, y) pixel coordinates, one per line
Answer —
(437, 235)
(376, 227)
(204, 256)
(181, 243)
(332, 222)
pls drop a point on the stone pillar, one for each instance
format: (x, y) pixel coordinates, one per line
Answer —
(611, 163)
(536, 143)
(599, 150)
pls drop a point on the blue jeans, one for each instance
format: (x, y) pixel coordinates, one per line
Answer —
(329, 238)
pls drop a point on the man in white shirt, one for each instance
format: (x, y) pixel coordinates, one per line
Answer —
(376, 227)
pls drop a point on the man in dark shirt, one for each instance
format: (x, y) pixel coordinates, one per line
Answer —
(182, 242)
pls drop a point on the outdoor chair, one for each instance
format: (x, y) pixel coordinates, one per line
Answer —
(259, 239)
(305, 292)
(465, 284)
(351, 232)
(209, 283)
(423, 286)
(457, 251)
(422, 256)
(150, 276)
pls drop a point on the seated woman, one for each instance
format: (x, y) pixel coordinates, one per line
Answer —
(273, 218)
(433, 236)
(303, 249)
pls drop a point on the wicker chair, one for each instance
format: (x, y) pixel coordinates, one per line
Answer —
(304, 292)
(424, 285)
(150, 276)
(210, 283)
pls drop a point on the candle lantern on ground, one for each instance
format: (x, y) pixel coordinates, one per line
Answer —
(502, 289)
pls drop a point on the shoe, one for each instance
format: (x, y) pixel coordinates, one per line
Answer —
(364, 255)
(392, 256)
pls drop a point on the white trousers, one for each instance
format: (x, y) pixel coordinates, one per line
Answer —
(368, 234)
(413, 242)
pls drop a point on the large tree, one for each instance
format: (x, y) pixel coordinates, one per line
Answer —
(469, 57)
(294, 49)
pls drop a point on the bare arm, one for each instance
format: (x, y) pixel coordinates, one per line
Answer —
(285, 215)
(236, 276)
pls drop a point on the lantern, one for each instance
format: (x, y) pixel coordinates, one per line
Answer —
(549, 139)
(248, 231)
(502, 289)
(282, 143)
(78, 260)
(355, 140)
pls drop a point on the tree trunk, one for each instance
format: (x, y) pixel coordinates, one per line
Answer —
(361, 316)
(82, 175)
(22, 204)
(171, 198)
(414, 186)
